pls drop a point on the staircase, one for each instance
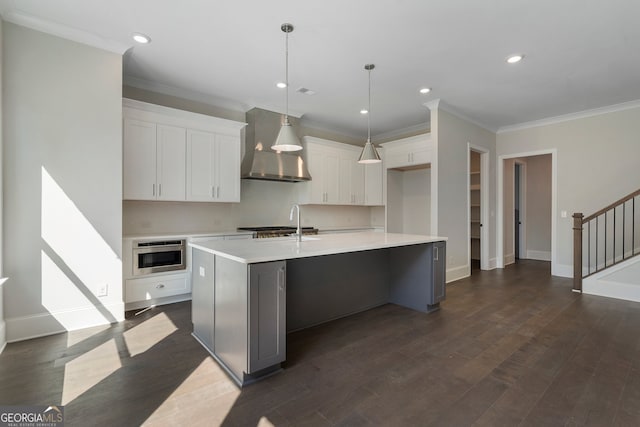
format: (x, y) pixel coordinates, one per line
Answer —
(606, 246)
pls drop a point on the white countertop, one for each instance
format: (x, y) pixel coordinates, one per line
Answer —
(198, 234)
(274, 249)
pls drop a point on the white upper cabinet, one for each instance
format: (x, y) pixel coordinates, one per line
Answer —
(323, 164)
(336, 176)
(153, 161)
(373, 184)
(177, 155)
(139, 152)
(213, 167)
(412, 151)
(170, 169)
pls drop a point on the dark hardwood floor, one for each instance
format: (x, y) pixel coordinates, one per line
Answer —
(509, 347)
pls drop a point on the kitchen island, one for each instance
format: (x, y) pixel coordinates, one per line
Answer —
(248, 294)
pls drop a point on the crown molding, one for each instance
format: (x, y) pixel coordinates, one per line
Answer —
(190, 95)
(65, 32)
(439, 104)
(424, 127)
(572, 116)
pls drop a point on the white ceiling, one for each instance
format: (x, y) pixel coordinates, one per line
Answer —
(580, 54)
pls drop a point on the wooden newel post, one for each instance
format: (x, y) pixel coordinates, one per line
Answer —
(577, 252)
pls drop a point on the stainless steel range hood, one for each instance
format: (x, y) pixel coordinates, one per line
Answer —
(260, 162)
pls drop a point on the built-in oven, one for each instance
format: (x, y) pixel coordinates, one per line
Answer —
(156, 256)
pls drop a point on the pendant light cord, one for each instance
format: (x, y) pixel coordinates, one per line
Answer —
(286, 75)
(369, 111)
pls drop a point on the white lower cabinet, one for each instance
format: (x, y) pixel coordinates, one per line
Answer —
(150, 288)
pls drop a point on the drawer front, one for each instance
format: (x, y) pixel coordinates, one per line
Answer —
(156, 287)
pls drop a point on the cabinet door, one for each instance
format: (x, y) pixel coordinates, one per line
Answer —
(316, 166)
(267, 315)
(331, 180)
(357, 181)
(345, 178)
(139, 168)
(421, 156)
(227, 168)
(202, 297)
(171, 164)
(373, 184)
(439, 271)
(397, 157)
(200, 155)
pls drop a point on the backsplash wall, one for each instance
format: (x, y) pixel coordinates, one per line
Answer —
(262, 203)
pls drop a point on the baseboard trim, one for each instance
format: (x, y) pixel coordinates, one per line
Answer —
(539, 255)
(493, 263)
(3, 335)
(44, 324)
(458, 273)
(509, 259)
(562, 270)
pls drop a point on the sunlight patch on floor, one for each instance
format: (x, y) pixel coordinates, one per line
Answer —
(148, 333)
(77, 336)
(207, 391)
(87, 370)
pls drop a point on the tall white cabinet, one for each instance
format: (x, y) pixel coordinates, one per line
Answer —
(177, 155)
(337, 177)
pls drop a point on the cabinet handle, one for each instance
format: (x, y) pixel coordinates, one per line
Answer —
(154, 190)
(213, 189)
(436, 253)
(159, 286)
(159, 190)
(281, 281)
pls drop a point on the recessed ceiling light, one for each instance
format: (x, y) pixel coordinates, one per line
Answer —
(141, 38)
(425, 90)
(364, 111)
(281, 85)
(513, 59)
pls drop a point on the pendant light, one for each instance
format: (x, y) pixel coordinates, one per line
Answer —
(369, 153)
(287, 139)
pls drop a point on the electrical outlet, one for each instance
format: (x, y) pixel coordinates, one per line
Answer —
(103, 290)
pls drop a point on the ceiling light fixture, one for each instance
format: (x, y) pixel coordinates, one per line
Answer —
(281, 85)
(369, 153)
(425, 90)
(514, 59)
(141, 38)
(364, 111)
(287, 139)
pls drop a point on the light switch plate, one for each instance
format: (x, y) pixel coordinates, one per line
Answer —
(202, 272)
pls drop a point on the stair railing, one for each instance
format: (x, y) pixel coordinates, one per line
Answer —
(612, 236)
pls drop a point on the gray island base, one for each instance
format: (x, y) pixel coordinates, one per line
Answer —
(247, 295)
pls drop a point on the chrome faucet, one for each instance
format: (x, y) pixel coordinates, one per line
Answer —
(298, 230)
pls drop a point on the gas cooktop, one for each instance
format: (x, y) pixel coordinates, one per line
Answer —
(277, 230)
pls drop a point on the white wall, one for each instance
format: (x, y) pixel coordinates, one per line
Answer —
(3, 335)
(597, 163)
(63, 183)
(409, 201)
(452, 136)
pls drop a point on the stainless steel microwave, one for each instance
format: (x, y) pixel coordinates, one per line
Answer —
(156, 256)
